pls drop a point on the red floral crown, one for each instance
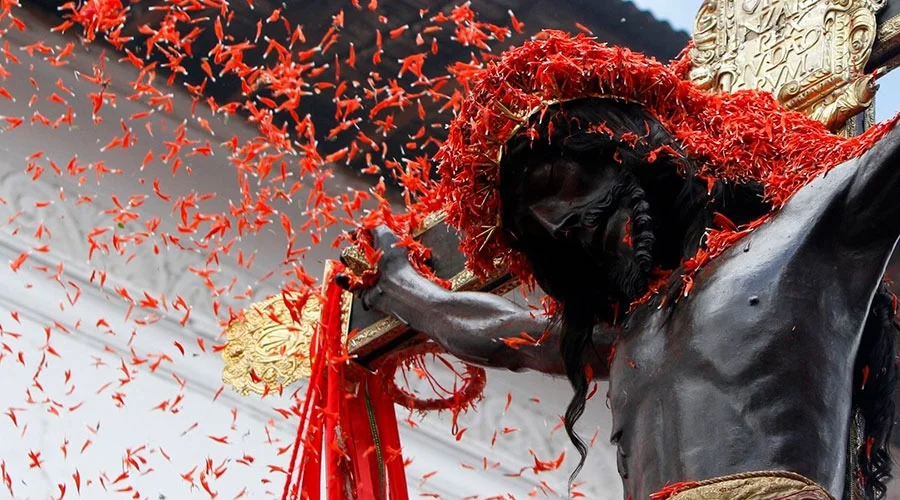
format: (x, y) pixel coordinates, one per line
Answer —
(736, 137)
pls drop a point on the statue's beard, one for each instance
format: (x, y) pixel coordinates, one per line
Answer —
(584, 273)
(626, 273)
(579, 266)
(628, 279)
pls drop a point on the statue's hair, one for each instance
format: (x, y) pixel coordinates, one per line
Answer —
(671, 210)
(874, 383)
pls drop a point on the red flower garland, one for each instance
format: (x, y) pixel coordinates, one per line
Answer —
(460, 399)
(736, 137)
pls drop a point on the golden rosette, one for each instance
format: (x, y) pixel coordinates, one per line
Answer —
(266, 349)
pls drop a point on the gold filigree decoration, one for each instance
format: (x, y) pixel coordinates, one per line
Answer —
(811, 54)
(889, 29)
(431, 220)
(356, 260)
(266, 349)
(373, 332)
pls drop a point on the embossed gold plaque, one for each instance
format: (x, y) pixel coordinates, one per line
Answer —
(266, 349)
(811, 54)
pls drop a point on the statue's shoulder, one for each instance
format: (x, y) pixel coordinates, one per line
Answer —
(822, 190)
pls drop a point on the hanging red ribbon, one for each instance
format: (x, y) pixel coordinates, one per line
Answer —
(361, 456)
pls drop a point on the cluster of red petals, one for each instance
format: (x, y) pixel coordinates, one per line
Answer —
(283, 171)
(96, 16)
(739, 137)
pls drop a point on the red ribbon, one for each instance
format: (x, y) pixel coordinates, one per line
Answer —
(349, 428)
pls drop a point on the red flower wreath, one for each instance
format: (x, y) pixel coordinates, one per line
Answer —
(737, 137)
(460, 398)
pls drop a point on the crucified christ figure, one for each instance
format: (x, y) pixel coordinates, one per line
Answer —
(757, 372)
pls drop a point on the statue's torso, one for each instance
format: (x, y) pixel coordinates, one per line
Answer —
(753, 370)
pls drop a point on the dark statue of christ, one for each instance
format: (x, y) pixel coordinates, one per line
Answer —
(761, 367)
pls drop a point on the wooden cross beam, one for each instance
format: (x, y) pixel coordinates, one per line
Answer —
(886, 49)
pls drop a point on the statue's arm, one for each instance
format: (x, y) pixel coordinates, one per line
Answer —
(871, 211)
(470, 325)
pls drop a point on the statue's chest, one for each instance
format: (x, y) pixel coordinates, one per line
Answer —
(744, 318)
(727, 304)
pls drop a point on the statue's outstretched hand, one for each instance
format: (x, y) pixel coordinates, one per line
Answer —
(396, 277)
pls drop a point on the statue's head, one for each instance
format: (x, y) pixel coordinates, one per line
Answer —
(596, 196)
(732, 139)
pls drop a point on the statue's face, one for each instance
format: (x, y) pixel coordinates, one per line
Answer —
(573, 226)
(581, 205)
(578, 204)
